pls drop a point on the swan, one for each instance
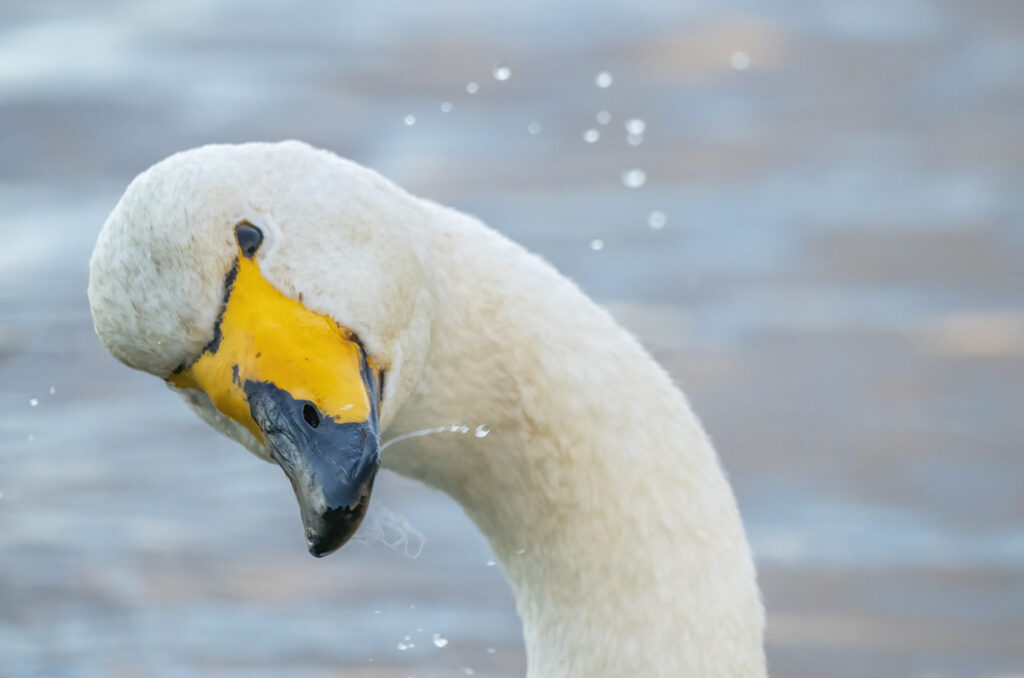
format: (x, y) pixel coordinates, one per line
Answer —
(310, 309)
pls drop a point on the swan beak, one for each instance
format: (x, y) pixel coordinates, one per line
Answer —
(305, 387)
(331, 465)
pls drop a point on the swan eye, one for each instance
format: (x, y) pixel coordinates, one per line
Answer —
(310, 415)
(249, 238)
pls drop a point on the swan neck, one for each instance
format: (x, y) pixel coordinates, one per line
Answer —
(596, 485)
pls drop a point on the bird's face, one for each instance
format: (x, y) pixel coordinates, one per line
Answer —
(303, 386)
(262, 361)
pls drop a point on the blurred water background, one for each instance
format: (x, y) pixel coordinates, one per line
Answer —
(825, 247)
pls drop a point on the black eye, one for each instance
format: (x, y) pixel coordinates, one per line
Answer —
(310, 415)
(249, 238)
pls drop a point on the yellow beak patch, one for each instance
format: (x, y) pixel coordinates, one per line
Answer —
(264, 336)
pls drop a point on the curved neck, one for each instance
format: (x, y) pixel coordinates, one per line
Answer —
(596, 486)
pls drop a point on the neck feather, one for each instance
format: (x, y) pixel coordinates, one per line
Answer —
(596, 486)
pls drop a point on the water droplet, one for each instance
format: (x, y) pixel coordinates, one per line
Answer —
(491, 650)
(439, 640)
(636, 126)
(491, 562)
(446, 107)
(481, 431)
(634, 139)
(501, 72)
(603, 79)
(603, 117)
(31, 437)
(410, 120)
(472, 87)
(520, 552)
(402, 645)
(419, 629)
(454, 428)
(597, 244)
(591, 136)
(1, 495)
(468, 671)
(33, 402)
(533, 127)
(657, 220)
(53, 390)
(463, 429)
(634, 178)
(376, 611)
(740, 61)
(407, 638)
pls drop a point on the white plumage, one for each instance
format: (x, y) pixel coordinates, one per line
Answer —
(597, 487)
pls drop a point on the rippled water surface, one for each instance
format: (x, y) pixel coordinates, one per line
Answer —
(835, 277)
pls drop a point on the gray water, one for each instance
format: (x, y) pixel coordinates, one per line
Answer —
(839, 288)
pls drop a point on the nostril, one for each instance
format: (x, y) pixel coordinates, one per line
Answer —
(309, 413)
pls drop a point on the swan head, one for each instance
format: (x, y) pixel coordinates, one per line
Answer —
(281, 291)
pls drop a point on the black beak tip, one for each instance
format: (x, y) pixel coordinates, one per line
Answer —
(335, 527)
(314, 550)
(318, 547)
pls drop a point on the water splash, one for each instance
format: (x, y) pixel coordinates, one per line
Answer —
(439, 640)
(636, 126)
(480, 431)
(393, 530)
(501, 72)
(414, 434)
(634, 178)
(657, 220)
